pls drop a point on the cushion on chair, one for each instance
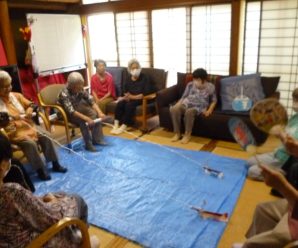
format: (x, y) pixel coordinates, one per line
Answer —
(118, 76)
(269, 85)
(230, 87)
(49, 94)
(157, 77)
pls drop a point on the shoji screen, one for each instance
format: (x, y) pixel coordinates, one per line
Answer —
(271, 43)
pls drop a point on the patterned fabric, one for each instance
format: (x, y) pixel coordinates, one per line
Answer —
(18, 130)
(101, 88)
(24, 216)
(292, 129)
(198, 98)
(71, 101)
(231, 87)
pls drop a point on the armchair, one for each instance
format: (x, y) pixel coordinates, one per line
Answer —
(47, 98)
(54, 229)
(148, 108)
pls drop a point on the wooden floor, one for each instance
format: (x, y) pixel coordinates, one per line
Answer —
(253, 192)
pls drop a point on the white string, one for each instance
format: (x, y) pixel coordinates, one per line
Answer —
(122, 173)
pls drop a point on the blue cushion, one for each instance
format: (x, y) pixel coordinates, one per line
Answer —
(230, 87)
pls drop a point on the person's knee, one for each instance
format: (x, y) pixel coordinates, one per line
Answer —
(190, 113)
(254, 172)
(30, 144)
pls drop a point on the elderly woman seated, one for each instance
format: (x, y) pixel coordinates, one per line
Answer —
(136, 87)
(24, 216)
(102, 85)
(81, 109)
(22, 131)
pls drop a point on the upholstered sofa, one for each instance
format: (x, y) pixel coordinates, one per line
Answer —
(216, 125)
(148, 108)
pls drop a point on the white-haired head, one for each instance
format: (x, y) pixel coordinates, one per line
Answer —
(134, 68)
(75, 78)
(133, 63)
(4, 77)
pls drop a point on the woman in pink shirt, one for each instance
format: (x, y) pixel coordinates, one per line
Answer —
(102, 85)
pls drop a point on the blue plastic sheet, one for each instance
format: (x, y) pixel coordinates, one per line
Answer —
(144, 192)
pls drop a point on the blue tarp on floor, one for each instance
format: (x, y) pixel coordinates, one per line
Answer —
(144, 191)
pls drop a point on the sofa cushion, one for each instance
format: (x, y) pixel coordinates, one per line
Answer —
(269, 85)
(158, 77)
(230, 88)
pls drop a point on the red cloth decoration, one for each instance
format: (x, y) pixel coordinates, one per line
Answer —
(3, 59)
(28, 84)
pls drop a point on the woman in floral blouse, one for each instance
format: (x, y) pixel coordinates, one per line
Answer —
(24, 216)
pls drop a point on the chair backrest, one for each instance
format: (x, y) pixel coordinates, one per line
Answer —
(49, 94)
(158, 77)
(117, 73)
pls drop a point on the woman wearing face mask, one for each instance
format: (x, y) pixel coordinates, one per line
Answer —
(195, 100)
(277, 158)
(136, 86)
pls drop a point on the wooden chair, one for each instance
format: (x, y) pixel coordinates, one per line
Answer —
(148, 108)
(292, 244)
(48, 99)
(54, 229)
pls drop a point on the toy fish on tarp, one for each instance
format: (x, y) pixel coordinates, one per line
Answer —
(213, 172)
(223, 217)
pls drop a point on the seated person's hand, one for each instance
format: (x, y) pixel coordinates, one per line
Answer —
(49, 197)
(89, 121)
(101, 115)
(291, 145)
(273, 178)
(29, 112)
(207, 113)
(126, 96)
(279, 132)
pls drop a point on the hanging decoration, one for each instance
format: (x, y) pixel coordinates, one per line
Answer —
(26, 31)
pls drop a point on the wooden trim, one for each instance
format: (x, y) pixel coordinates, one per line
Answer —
(17, 4)
(209, 147)
(88, 57)
(137, 5)
(235, 32)
(6, 33)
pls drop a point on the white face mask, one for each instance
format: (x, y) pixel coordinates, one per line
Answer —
(135, 72)
(295, 107)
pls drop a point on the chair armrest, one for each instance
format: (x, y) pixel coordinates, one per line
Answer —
(167, 96)
(292, 244)
(149, 97)
(54, 229)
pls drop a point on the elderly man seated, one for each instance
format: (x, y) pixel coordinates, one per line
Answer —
(22, 131)
(81, 110)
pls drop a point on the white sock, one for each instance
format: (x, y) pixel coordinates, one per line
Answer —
(94, 241)
(116, 124)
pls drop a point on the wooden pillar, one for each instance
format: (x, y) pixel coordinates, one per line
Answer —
(6, 34)
(235, 37)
